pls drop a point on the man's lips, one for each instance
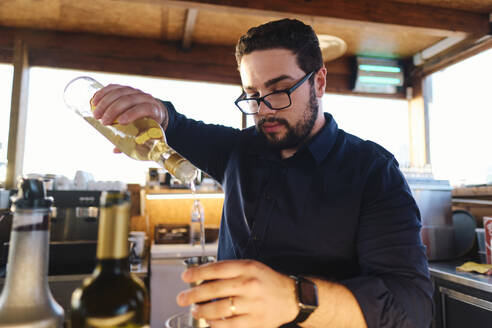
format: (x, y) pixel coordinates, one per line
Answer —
(271, 126)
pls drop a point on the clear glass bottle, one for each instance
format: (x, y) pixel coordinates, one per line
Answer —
(197, 225)
(112, 296)
(26, 299)
(143, 139)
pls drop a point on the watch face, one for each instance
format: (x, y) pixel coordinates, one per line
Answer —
(308, 293)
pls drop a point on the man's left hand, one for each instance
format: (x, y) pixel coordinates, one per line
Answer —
(240, 293)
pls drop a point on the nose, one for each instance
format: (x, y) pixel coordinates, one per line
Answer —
(264, 110)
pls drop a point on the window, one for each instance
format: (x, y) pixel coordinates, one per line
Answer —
(460, 117)
(384, 121)
(58, 141)
(6, 76)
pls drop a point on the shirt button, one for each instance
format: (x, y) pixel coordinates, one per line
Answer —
(256, 238)
(268, 197)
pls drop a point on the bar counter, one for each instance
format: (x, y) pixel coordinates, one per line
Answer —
(447, 271)
(461, 299)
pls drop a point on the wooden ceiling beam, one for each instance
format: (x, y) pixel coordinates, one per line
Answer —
(112, 54)
(464, 50)
(165, 23)
(383, 13)
(117, 47)
(6, 56)
(145, 57)
(149, 57)
(189, 27)
(7, 40)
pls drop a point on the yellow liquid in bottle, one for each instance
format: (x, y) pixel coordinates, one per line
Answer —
(144, 140)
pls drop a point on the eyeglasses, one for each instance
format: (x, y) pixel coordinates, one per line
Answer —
(276, 100)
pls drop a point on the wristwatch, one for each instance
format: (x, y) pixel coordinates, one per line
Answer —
(307, 298)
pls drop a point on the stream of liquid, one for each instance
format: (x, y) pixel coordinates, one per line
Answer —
(197, 224)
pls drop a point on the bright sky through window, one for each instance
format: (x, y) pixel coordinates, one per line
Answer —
(60, 142)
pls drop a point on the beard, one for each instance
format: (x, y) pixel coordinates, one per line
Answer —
(295, 135)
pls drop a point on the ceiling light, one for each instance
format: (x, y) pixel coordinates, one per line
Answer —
(331, 46)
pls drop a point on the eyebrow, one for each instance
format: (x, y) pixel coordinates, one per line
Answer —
(271, 81)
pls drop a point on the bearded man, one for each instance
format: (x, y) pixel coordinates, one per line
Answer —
(319, 228)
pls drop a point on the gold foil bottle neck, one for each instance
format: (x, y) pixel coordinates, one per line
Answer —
(113, 226)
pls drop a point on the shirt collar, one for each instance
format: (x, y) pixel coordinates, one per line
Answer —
(319, 146)
(322, 143)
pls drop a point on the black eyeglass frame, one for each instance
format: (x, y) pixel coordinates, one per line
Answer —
(262, 99)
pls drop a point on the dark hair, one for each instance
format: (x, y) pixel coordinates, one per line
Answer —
(290, 34)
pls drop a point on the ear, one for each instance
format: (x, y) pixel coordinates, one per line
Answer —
(320, 82)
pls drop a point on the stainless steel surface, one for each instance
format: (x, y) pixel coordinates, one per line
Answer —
(464, 226)
(447, 271)
(75, 215)
(4, 198)
(433, 197)
(466, 298)
(87, 212)
(460, 297)
(73, 223)
(180, 251)
(167, 264)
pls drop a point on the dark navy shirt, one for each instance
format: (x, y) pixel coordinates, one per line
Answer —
(339, 209)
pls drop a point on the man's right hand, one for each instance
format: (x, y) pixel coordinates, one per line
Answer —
(126, 104)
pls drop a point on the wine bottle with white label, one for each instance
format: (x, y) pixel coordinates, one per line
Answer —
(112, 296)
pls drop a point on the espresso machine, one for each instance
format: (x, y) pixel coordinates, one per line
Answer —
(73, 232)
(74, 215)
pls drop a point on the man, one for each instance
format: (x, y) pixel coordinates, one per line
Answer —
(307, 206)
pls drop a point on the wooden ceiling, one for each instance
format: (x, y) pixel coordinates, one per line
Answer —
(195, 39)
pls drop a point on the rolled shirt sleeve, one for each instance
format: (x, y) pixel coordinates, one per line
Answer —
(394, 288)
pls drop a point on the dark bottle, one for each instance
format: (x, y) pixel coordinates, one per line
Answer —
(26, 300)
(112, 296)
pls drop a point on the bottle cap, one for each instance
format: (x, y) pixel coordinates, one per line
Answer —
(114, 197)
(31, 195)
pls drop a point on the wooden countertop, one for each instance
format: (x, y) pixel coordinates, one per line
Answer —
(482, 192)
